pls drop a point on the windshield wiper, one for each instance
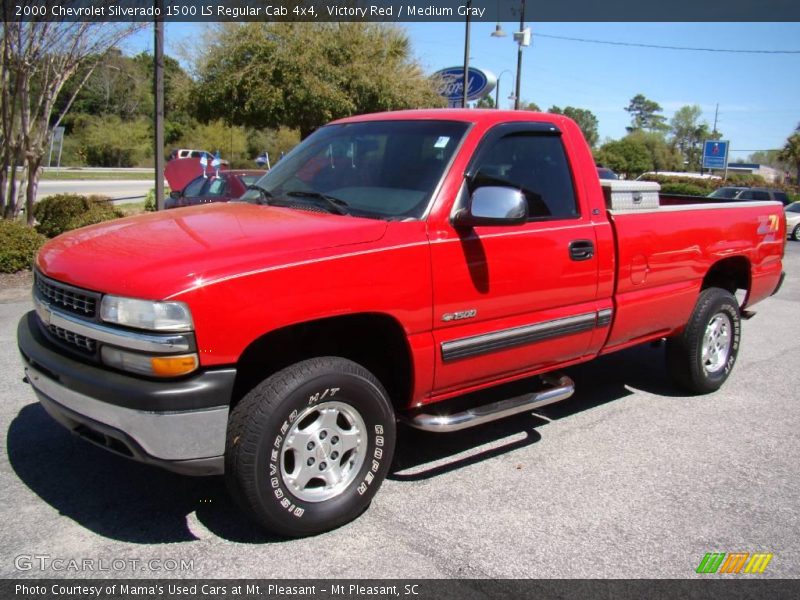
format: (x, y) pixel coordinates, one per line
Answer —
(336, 205)
(263, 193)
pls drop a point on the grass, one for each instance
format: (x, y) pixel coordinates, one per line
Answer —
(131, 208)
(80, 175)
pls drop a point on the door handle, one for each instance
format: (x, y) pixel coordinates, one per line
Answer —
(581, 249)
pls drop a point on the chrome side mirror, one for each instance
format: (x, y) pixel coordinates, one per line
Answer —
(493, 205)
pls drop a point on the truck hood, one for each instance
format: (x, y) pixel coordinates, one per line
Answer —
(158, 255)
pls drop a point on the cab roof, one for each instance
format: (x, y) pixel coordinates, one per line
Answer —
(468, 115)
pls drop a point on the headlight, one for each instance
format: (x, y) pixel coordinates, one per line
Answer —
(146, 314)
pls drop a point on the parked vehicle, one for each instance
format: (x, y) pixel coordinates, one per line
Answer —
(387, 266)
(793, 220)
(606, 173)
(228, 185)
(750, 193)
(187, 153)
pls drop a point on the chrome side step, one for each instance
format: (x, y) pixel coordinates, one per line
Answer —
(560, 388)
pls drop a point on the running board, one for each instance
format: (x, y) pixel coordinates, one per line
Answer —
(559, 388)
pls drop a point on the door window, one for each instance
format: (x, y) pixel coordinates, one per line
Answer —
(536, 165)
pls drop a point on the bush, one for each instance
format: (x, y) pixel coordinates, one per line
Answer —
(64, 212)
(18, 246)
(150, 199)
(688, 189)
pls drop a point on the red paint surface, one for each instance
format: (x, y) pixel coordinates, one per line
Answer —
(246, 270)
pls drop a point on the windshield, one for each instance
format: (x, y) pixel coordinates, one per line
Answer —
(794, 207)
(725, 192)
(380, 169)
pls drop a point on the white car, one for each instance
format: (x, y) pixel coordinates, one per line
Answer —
(793, 220)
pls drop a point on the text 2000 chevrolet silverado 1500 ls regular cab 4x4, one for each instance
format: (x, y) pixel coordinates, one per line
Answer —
(389, 262)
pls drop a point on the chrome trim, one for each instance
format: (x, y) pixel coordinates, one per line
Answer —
(517, 336)
(562, 388)
(181, 435)
(145, 342)
(604, 317)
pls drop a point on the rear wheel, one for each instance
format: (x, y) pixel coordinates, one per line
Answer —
(308, 447)
(796, 232)
(701, 358)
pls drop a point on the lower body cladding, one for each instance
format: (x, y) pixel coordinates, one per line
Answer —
(124, 414)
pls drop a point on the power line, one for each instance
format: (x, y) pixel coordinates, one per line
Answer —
(588, 41)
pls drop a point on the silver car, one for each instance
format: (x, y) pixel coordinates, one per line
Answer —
(793, 220)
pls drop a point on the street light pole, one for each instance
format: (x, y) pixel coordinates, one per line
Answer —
(519, 56)
(497, 89)
(466, 58)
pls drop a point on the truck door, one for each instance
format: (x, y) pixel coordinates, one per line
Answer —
(513, 298)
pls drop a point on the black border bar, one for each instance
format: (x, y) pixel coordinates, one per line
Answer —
(402, 11)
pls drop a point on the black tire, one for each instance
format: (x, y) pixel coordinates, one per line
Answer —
(796, 233)
(685, 359)
(259, 456)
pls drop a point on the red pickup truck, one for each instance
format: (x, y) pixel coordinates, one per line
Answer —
(391, 262)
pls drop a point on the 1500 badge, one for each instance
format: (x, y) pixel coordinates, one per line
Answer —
(462, 314)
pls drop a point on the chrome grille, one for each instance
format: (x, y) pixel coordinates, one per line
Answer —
(79, 341)
(67, 298)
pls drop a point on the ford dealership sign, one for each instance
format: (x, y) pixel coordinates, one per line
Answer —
(481, 83)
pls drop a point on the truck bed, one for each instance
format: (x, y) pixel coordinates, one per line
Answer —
(664, 254)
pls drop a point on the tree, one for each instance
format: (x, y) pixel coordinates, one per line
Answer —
(524, 105)
(486, 102)
(37, 59)
(790, 152)
(643, 115)
(585, 120)
(302, 75)
(108, 141)
(627, 156)
(689, 133)
(662, 156)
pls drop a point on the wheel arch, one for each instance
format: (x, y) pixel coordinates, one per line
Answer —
(376, 341)
(731, 274)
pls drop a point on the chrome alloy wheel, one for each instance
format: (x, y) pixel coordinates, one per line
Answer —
(323, 451)
(717, 341)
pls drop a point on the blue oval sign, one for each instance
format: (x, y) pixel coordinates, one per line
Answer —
(451, 86)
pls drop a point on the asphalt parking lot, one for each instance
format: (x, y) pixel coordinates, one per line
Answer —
(627, 479)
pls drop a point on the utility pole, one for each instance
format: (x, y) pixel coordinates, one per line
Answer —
(716, 114)
(519, 56)
(158, 83)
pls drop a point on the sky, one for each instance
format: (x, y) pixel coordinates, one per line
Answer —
(758, 94)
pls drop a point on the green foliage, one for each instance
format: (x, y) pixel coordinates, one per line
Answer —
(524, 105)
(486, 102)
(302, 75)
(150, 204)
(790, 153)
(627, 156)
(662, 156)
(688, 135)
(687, 189)
(18, 245)
(64, 212)
(111, 142)
(231, 141)
(585, 119)
(644, 115)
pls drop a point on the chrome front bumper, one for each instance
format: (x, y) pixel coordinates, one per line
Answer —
(184, 441)
(179, 425)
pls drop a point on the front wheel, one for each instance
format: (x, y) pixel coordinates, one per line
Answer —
(308, 447)
(796, 233)
(702, 356)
